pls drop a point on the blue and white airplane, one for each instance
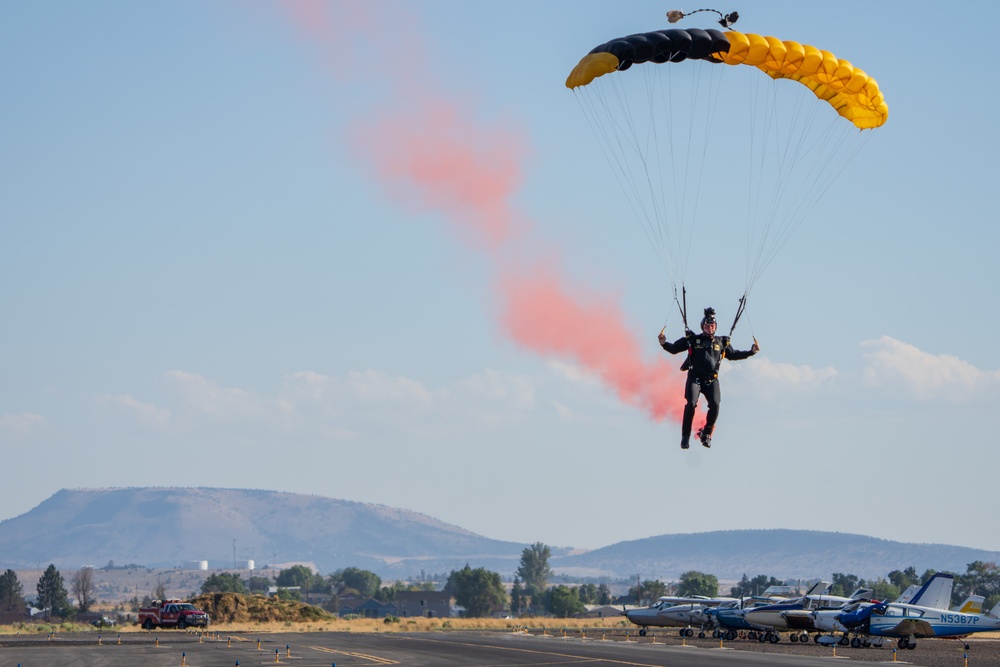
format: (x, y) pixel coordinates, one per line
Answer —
(908, 622)
(853, 617)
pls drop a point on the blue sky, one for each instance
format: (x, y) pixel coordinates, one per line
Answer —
(206, 283)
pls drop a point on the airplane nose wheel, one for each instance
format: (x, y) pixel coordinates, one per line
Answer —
(642, 632)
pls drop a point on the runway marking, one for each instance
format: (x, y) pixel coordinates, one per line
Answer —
(371, 658)
(577, 658)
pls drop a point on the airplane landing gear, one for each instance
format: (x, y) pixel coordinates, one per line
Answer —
(642, 632)
(907, 643)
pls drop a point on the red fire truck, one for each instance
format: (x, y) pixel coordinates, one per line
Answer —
(172, 614)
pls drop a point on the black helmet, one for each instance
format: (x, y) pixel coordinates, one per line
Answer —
(709, 317)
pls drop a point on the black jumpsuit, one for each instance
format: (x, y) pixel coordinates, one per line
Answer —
(705, 355)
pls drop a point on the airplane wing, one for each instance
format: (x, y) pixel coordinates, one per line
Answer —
(912, 626)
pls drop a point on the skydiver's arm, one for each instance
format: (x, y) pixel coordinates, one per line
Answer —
(737, 355)
(678, 346)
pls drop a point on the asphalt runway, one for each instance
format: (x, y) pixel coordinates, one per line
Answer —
(323, 649)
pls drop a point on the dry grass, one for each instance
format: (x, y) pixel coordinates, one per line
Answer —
(333, 624)
(553, 626)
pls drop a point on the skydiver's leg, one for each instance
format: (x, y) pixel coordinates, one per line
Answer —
(691, 391)
(713, 394)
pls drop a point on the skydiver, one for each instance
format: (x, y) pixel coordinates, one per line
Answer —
(705, 354)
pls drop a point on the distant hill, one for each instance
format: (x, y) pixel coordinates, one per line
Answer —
(785, 554)
(172, 527)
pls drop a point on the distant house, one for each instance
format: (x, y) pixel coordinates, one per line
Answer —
(600, 611)
(428, 604)
(367, 607)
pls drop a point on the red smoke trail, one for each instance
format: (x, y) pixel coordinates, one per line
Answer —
(540, 314)
(426, 152)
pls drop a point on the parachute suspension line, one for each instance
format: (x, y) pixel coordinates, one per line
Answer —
(657, 195)
(595, 106)
(714, 85)
(803, 154)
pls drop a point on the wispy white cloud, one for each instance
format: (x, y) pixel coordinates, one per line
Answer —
(922, 375)
(21, 425)
(147, 414)
(766, 379)
(337, 406)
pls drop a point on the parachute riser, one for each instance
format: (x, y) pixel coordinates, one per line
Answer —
(739, 313)
(682, 305)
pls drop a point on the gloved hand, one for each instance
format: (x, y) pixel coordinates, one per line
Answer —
(755, 348)
(688, 333)
(661, 338)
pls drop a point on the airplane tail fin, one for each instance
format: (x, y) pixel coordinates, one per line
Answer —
(907, 595)
(936, 593)
(820, 588)
(861, 594)
(972, 605)
(995, 612)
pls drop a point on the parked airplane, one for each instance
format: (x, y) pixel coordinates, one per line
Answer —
(731, 619)
(795, 614)
(908, 622)
(936, 591)
(682, 612)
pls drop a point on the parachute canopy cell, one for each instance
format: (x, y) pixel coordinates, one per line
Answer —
(848, 89)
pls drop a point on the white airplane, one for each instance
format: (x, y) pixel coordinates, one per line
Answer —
(936, 592)
(682, 612)
(909, 622)
(795, 614)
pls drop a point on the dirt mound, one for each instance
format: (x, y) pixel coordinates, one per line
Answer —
(235, 608)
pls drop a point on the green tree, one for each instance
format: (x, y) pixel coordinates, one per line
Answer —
(649, 591)
(356, 580)
(52, 594)
(480, 591)
(11, 592)
(83, 588)
(587, 593)
(223, 582)
(883, 589)
(534, 569)
(903, 579)
(844, 584)
(517, 598)
(756, 586)
(288, 594)
(603, 594)
(980, 578)
(296, 575)
(698, 583)
(563, 601)
(258, 584)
